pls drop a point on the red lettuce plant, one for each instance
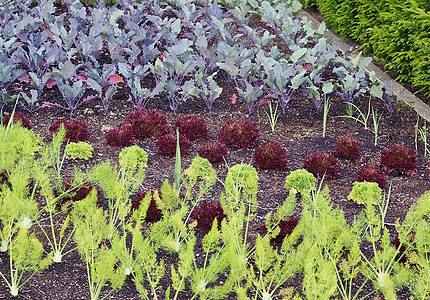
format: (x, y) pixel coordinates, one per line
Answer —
(153, 213)
(193, 127)
(270, 156)
(286, 227)
(371, 174)
(214, 152)
(76, 131)
(348, 148)
(205, 214)
(242, 133)
(120, 137)
(18, 118)
(322, 164)
(4, 178)
(399, 159)
(147, 123)
(395, 241)
(166, 144)
(75, 194)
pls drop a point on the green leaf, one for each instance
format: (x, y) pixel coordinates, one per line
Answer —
(327, 87)
(211, 240)
(365, 192)
(139, 214)
(115, 16)
(264, 255)
(298, 54)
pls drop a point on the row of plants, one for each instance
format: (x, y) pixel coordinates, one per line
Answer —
(393, 32)
(175, 50)
(243, 133)
(119, 229)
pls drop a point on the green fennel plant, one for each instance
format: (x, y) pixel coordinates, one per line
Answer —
(383, 269)
(26, 255)
(139, 260)
(413, 235)
(272, 267)
(46, 172)
(119, 184)
(91, 232)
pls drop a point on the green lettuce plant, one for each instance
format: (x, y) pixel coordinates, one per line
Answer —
(365, 191)
(80, 150)
(300, 181)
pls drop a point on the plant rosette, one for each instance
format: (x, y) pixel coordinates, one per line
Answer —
(80, 150)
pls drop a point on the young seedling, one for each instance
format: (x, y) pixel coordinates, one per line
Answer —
(272, 115)
(376, 121)
(416, 132)
(361, 118)
(423, 136)
(327, 89)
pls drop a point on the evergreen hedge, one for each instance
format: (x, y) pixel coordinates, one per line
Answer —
(395, 32)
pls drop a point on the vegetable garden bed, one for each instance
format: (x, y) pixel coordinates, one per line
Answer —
(142, 232)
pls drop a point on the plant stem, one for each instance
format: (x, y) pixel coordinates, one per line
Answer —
(325, 114)
(376, 121)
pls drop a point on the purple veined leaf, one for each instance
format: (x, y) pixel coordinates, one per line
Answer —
(25, 78)
(263, 101)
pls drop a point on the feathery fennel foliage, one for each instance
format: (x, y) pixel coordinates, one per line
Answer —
(200, 171)
(16, 143)
(26, 255)
(326, 235)
(46, 172)
(119, 185)
(18, 208)
(202, 275)
(383, 269)
(140, 259)
(91, 231)
(414, 235)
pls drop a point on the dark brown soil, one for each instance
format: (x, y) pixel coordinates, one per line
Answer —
(299, 130)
